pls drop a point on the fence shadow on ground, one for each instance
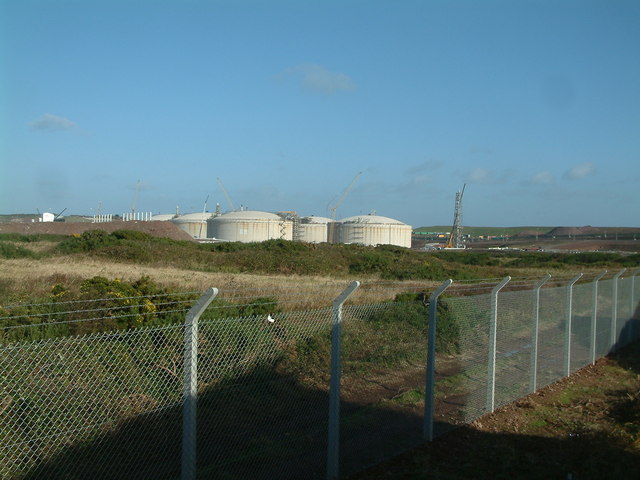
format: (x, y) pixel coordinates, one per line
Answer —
(268, 424)
(260, 426)
(468, 453)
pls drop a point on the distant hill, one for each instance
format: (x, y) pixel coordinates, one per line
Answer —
(493, 231)
(536, 230)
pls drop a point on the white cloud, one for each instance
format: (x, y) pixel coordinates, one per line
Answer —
(53, 123)
(478, 175)
(542, 178)
(317, 78)
(580, 171)
(416, 183)
(428, 166)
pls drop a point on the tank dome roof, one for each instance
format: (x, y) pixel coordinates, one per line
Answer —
(248, 215)
(372, 219)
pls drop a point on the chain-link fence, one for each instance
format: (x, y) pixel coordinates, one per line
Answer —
(305, 384)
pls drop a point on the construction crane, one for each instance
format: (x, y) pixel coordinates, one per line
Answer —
(135, 198)
(58, 215)
(455, 237)
(337, 204)
(226, 195)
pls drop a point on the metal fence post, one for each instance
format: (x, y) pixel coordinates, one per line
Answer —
(333, 440)
(429, 392)
(614, 310)
(634, 322)
(594, 318)
(533, 378)
(567, 325)
(190, 395)
(493, 331)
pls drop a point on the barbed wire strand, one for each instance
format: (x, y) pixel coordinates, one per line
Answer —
(90, 300)
(79, 320)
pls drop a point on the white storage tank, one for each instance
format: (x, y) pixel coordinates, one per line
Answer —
(373, 230)
(249, 226)
(163, 217)
(313, 229)
(195, 224)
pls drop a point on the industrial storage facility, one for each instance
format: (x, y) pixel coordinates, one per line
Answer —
(313, 229)
(195, 224)
(249, 226)
(163, 217)
(373, 230)
(256, 226)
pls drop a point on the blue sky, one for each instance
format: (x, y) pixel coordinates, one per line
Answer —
(535, 105)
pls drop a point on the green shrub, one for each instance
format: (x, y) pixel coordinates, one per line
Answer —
(30, 238)
(630, 260)
(225, 246)
(9, 250)
(101, 304)
(411, 309)
(131, 235)
(87, 242)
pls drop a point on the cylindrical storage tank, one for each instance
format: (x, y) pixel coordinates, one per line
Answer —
(313, 229)
(195, 224)
(163, 217)
(373, 230)
(249, 226)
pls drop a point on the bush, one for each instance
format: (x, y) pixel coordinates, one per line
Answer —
(131, 235)
(87, 242)
(9, 250)
(411, 309)
(225, 246)
(31, 238)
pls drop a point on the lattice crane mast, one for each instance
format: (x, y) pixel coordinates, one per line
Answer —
(455, 237)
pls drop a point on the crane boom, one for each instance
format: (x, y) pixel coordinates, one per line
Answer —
(135, 198)
(335, 206)
(226, 195)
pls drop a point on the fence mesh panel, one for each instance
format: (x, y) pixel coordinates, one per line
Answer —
(635, 307)
(625, 313)
(604, 324)
(461, 379)
(382, 382)
(83, 407)
(263, 395)
(581, 322)
(551, 327)
(513, 346)
(109, 404)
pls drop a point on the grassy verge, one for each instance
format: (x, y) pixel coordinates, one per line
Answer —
(295, 258)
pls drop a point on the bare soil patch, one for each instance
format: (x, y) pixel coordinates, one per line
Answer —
(155, 228)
